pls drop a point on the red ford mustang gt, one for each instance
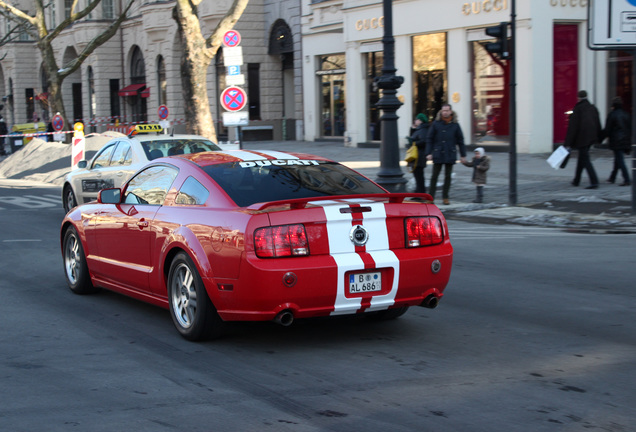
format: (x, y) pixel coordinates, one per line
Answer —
(257, 235)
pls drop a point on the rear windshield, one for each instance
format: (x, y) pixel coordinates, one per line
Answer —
(261, 181)
(160, 148)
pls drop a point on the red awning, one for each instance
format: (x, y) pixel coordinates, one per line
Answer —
(145, 93)
(131, 90)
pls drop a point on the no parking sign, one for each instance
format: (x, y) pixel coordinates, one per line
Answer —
(231, 39)
(233, 99)
(163, 112)
(57, 122)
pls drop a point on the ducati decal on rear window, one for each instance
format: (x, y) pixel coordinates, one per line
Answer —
(277, 162)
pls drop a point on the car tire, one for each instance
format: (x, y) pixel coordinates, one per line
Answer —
(389, 314)
(75, 267)
(192, 312)
(68, 199)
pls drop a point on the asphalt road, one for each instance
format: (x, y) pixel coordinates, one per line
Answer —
(535, 333)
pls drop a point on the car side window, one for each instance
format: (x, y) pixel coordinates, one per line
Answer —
(103, 157)
(122, 154)
(192, 193)
(151, 185)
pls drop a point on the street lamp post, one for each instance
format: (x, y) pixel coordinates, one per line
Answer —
(390, 175)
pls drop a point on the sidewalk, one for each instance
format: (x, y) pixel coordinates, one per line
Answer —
(545, 196)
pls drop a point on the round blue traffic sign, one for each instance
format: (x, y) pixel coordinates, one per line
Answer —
(632, 2)
(233, 99)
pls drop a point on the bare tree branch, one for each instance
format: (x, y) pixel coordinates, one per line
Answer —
(74, 64)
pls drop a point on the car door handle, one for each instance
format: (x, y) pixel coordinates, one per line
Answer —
(142, 224)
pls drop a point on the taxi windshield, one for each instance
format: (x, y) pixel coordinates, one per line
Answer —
(169, 147)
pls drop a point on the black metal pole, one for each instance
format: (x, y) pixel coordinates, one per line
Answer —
(512, 193)
(390, 175)
(633, 180)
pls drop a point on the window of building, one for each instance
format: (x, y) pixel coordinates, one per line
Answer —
(29, 96)
(115, 110)
(92, 103)
(137, 76)
(490, 95)
(108, 9)
(619, 77)
(162, 94)
(565, 76)
(332, 76)
(78, 108)
(254, 90)
(52, 17)
(430, 79)
(375, 61)
(67, 8)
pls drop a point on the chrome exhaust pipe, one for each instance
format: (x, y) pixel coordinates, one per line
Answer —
(430, 302)
(284, 318)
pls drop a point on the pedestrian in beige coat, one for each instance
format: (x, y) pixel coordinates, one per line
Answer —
(480, 165)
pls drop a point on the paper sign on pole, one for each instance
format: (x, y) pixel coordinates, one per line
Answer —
(239, 118)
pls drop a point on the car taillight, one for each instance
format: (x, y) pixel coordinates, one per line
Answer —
(423, 231)
(281, 241)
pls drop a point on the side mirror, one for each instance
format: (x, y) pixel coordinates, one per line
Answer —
(82, 164)
(109, 196)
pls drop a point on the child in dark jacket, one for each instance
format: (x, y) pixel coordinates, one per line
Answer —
(480, 165)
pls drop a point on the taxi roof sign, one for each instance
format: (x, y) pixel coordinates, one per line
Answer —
(144, 128)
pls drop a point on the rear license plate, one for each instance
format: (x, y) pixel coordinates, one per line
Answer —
(365, 282)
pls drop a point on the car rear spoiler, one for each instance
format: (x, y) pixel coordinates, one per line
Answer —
(299, 203)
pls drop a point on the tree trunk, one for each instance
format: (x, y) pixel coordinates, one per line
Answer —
(56, 101)
(195, 62)
(197, 55)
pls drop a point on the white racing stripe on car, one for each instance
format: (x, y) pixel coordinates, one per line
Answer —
(243, 155)
(276, 154)
(343, 251)
(378, 248)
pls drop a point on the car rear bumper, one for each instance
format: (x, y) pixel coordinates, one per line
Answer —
(409, 278)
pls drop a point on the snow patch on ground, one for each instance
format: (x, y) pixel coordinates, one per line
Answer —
(588, 199)
(48, 162)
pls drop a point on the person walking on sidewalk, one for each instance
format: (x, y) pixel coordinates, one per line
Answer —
(3, 131)
(480, 164)
(618, 129)
(418, 137)
(444, 136)
(584, 130)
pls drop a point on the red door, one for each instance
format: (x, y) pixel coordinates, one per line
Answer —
(566, 76)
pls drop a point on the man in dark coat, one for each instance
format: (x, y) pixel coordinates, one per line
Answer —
(584, 130)
(418, 137)
(444, 136)
(618, 128)
(3, 131)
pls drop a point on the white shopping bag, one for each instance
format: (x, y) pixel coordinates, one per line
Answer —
(557, 157)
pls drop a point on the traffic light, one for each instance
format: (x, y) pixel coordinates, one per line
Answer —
(500, 47)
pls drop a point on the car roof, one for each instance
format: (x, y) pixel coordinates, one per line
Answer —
(204, 159)
(164, 137)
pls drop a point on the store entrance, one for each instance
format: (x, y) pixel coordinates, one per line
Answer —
(429, 74)
(566, 76)
(491, 98)
(332, 77)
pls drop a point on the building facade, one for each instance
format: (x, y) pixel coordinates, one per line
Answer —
(138, 69)
(439, 52)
